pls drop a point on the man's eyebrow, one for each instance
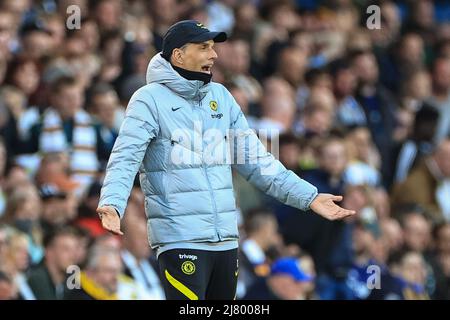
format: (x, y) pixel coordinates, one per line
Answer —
(206, 43)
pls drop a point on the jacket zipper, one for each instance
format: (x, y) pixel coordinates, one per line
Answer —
(213, 199)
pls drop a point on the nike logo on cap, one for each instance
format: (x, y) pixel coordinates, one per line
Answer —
(175, 109)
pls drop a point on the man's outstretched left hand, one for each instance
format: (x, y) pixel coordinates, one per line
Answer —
(324, 205)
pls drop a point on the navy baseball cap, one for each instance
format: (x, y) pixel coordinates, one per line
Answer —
(188, 31)
(291, 266)
(50, 191)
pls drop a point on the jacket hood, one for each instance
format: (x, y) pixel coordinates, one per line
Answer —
(160, 71)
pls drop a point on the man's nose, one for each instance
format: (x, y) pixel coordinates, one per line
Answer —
(213, 54)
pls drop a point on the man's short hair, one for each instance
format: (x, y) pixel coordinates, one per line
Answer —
(99, 89)
(50, 237)
(63, 82)
(288, 138)
(95, 252)
(256, 218)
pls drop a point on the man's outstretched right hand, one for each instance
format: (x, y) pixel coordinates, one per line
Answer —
(110, 219)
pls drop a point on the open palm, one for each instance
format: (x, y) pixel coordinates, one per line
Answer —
(324, 205)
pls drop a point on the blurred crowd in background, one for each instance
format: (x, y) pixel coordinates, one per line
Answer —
(357, 111)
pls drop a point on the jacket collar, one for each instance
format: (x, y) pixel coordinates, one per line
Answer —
(160, 71)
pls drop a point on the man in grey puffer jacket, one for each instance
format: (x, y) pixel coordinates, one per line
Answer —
(183, 133)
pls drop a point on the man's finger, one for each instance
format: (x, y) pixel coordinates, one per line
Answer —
(114, 230)
(100, 211)
(117, 232)
(345, 213)
(337, 198)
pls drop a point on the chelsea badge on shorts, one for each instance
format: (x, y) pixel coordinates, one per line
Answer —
(188, 267)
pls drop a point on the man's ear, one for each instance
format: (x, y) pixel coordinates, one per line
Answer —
(177, 56)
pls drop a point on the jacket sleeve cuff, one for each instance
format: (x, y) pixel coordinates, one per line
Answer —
(305, 204)
(120, 211)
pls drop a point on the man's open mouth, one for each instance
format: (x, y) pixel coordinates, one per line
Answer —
(206, 68)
